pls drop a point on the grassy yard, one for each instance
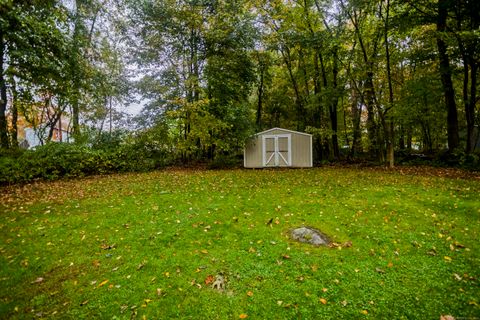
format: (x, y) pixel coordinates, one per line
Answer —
(149, 245)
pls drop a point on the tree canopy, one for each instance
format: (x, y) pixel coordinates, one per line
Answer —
(369, 79)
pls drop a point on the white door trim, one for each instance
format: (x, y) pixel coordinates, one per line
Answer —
(276, 152)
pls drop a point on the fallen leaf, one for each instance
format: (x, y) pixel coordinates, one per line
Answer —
(344, 303)
(323, 301)
(96, 263)
(365, 312)
(104, 282)
(108, 246)
(347, 244)
(447, 259)
(83, 303)
(390, 264)
(324, 289)
(250, 293)
(379, 270)
(204, 251)
(458, 245)
(209, 279)
(38, 280)
(447, 317)
(243, 316)
(286, 256)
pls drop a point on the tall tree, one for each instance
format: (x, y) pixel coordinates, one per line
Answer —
(446, 74)
(32, 48)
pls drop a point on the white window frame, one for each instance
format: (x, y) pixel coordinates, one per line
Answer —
(276, 149)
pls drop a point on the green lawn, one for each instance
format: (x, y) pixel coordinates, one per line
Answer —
(143, 245)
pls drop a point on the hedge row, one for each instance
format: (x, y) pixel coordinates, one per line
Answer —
(57, 160)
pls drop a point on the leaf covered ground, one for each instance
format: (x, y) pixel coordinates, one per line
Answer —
(406, 245)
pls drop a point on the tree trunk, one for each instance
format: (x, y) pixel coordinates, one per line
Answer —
(390, 148)
(110, 116)
(470, 68)
(332, 114)
(318, 113)
(357, 133)
(371, 123)
(389, 135)
(52, 124)
(334, 106)
(409, 138)
(301, 63)
(300, 109)
(75, 117)
(3, 97)
(75, 71)
(446, 77)
(14, 110)
(260, 99)
(401, 139)
(470, 107)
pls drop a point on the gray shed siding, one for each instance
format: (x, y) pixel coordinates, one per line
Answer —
(300, 149)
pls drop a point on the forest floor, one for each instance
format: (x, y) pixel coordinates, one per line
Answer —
(151, 245)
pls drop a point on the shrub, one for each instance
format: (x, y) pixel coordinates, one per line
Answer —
(57, 160)
(225, 161)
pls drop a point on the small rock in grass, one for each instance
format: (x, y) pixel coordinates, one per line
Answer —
(309, 235)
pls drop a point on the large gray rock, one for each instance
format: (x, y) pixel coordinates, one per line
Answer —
(309, 235)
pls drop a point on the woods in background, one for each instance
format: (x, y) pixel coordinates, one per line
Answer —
(369, 79)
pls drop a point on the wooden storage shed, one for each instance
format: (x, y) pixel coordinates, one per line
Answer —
(278, 147)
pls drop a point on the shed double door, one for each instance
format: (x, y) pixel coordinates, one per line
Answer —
(277, 150)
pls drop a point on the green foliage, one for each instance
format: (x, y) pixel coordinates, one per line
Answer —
(459, 158)
(355, 73)
(58, 160)
(225, 161)
(206, 102)
(53, 161)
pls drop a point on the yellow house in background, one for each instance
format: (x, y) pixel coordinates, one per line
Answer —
(30, 135)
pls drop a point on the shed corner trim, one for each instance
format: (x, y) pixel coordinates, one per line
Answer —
(287, 130)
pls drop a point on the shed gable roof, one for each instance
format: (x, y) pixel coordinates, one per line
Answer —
(286, 130)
